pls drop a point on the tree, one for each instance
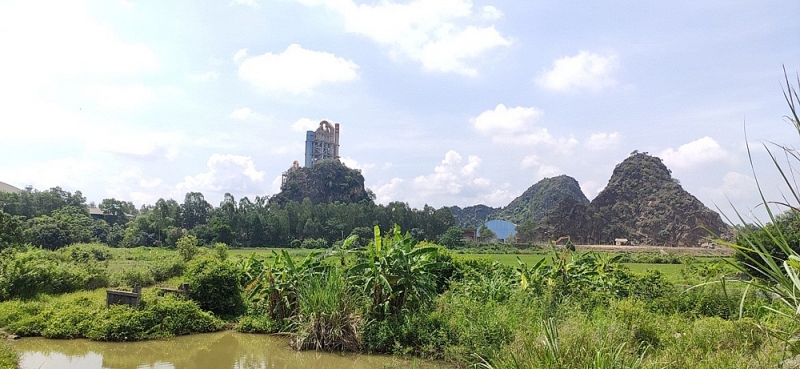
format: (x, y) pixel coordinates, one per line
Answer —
(485, 234)
(10, 230)
(452, 238)
(194, 210)
(526, 231)
(116, 211)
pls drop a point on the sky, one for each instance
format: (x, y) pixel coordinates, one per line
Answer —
(441, 102)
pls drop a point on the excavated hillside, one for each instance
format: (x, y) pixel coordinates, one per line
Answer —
(326, 182)
(644, 204)
(543, 196)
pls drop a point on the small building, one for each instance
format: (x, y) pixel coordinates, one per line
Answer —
(620, 241)
(469, 235)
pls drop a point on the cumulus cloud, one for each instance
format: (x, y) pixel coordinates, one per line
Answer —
(352, 163)
(226, 173)
(388, 192)
(456, 178)
(296, 70)
(439, 34)
(699, 152)
(304, 124)
(585, 71)
(603, 141)
(518, 126)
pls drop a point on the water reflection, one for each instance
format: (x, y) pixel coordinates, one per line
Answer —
(201, 351)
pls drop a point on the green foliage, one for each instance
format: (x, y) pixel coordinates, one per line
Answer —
(526, 232)
(328, 314)
(314, 243)
(396, 274)
(8, 358)
(27, 273)
(84, 315)
(214, 285)
(10, 230)
(541, 197)
(187, 247)
(452, 238)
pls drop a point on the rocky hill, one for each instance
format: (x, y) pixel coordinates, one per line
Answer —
(641, 203)
(473, 216)
(538, 199)
(326, 182)
(644, 204)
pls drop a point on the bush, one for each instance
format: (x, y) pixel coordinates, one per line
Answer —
(214, 285)
(27, 273)
(314, 243)
(133, 276)
(187, 247)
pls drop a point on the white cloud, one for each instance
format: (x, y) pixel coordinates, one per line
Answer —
(699, 152)
(275, 186)
(489, 12)
(389, 192)
(251, 3)
(585, 71)
(226, 173)
(136, 143)
(603, 141)
(120, 97)
(296, 70)
(245, 114)
(435, 33)
(455, 180)
(304, 124)
(66, 172)
(352, 163)
(543, 170)
(518, 126)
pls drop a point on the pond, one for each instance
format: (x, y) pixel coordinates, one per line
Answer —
(220, 350)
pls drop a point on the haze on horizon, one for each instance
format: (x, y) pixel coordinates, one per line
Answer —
(444, 102)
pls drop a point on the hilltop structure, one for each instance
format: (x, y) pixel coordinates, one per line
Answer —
(322, 144)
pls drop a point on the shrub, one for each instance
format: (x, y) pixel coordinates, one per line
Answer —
(187, 247)
(214, 285)
(314, 243)
(133, 276)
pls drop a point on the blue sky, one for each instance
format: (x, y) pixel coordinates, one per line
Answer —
(444, 102)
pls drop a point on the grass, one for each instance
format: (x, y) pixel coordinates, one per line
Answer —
(8, 358)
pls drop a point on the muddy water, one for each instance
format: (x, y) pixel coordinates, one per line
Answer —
(222, 350)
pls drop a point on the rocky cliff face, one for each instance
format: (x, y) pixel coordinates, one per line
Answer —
(326, 182)
(643, 203)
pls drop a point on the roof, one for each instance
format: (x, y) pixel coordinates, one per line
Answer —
(5, 187)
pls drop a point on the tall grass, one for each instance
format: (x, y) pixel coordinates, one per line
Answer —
(328, 317)
(777, 276)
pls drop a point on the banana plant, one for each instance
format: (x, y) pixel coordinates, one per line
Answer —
(396, 274)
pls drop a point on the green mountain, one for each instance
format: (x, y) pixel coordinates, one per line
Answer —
(326, 182)
(538, 199)
(644, 204)
(473, 216)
